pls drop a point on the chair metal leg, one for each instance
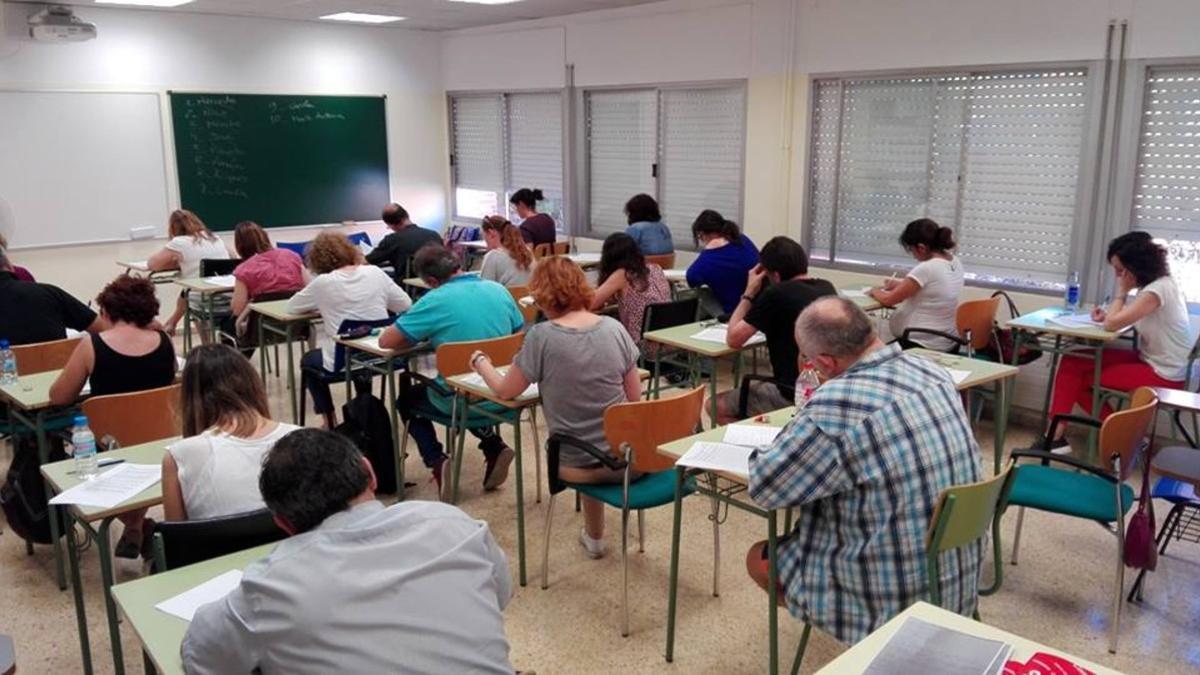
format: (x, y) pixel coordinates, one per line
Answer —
(303, 397)
(1119, 584)
(546, 543)
(537, 455)
(625, 571)
(1017, 534)
(578, 505)
(716, 523)
(800, 649)
(641, 531)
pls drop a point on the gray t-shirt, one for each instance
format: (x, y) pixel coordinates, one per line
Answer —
(580, 373)
(500, 267)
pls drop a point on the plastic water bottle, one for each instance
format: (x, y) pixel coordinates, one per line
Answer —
(8, 364)
(83, 443)
(806, 385)
(1072, 291)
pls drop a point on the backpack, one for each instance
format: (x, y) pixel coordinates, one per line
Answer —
(369, 426)
(23, 495)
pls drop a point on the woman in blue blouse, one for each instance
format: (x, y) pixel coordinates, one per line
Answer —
(726, 258)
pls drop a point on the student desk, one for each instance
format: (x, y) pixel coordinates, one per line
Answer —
(859, 657)
(162, 634)
(680, 337)
(420, 284)
(208, 289)
(275, 319)
(60, 476)
(584, 260)
(142, 267)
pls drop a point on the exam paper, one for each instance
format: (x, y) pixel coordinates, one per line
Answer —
(922, 647)
(476, 380)
(750, 435)
(1083, 320)
(221, 280)
(853, 292)
(186, 603)
(717, 334)
(111, 487)
(733, 459)
(958, 375)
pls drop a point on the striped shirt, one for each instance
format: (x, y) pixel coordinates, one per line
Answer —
(863, 463)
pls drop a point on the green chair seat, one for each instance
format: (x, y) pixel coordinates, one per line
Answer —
(1067, 492)
(647, 492)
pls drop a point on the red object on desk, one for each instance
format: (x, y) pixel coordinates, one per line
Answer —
(1042, 663)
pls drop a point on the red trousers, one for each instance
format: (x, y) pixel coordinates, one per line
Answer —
(1119, 369)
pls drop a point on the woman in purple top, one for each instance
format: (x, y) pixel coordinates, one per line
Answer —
(536, 228)
(725, 260)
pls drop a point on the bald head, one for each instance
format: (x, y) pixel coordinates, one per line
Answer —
(836, 327)
(395, 216)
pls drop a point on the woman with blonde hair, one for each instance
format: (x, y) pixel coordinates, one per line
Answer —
(509, 260)
(188, 242)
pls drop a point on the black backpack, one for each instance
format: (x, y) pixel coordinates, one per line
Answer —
(369, 426)
(23, 495)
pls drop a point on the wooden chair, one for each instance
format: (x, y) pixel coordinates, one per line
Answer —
(530, 313)
(41, 357)
(122, 420)
(664, 260)
(633, 431)
(975, 321)
(1082, 490)
(557, 248)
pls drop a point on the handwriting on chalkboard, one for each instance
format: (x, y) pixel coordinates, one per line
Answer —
(212, 131)
(300, 112)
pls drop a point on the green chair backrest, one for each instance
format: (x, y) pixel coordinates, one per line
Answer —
(962, 516)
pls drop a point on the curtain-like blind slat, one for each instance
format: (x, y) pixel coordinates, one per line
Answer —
(478, 153)
(535, 147)
(622, 138)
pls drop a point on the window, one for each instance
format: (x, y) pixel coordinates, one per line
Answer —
(502, 143)
(683, 146)
(994, 155)
(1166, 201)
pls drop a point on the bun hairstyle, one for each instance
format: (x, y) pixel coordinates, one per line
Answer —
(511, 240)
(1145, 258)
(712, 224)
(926, 231)
(528, 198)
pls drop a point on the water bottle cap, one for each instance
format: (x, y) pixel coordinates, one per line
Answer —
(81, 420)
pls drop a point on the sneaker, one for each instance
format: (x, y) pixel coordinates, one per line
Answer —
(1059, 447)
(496, 467)
(594, 548)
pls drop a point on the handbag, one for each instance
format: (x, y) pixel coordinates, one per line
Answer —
(1000, 347)
(1141, 551)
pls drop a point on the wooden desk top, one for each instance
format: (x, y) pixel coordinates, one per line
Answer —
(982, 372)
(61, 477)
(36, 397)
(277, 310)
(203, 286)
(1038, 322)
(1178, 398)
(679, 448)
(681, 337)
(470, 384)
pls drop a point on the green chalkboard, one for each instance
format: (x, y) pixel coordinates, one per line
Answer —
(280, 160)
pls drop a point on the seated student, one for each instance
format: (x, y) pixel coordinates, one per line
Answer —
(344, 288)
(536, 228)
(417, 587)
(574, 351)
(726, 258)
(863, 463)
(264, 268)
(928, 295)
(1158, 312)
(508, 260)
(626, 276)
(402, 243)
(188, 242)
(31, 312)
(646, 227)
(227, 432)
(458, 308)
(19, 272)
(772, 310)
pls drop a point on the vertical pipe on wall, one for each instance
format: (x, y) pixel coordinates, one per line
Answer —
(1095, 212)
(570, 189)
(787, 118)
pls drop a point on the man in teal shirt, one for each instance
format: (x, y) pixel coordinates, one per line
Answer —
(458, 308)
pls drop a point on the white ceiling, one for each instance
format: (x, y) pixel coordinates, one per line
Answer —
(420, 14)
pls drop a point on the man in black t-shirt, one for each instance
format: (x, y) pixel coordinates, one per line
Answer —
(31, 312)
(773, 311)
(403, 243)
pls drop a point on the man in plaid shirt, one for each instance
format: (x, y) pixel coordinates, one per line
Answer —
(863, 463)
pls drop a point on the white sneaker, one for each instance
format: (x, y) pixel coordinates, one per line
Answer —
(594, 548)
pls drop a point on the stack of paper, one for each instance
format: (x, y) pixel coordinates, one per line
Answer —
(852, 292)
(958, 375)
(186, 603)
(922, 647)
(221, 280)
(734, 459)
(717, 334)
(1083, 320)
(118, 484)
(751, 435)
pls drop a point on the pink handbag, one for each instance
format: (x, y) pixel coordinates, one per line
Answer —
(1141, 551)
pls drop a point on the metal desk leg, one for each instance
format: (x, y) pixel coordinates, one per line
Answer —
(520, 498)
(1003, 408)
(106, 579)
(262, 350)
(673, 583)
(77, 591)
(712, 393)
(390, 388)
(187, 322)
(291, 375)
(1093, 436)
(43, 446)
(772, 594)
(459, 402)
(1055, 358)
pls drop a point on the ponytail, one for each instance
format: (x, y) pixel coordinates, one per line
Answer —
(510, 240)
(713, 224)
(926, 231)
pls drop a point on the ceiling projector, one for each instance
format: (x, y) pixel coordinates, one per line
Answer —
(59, 24)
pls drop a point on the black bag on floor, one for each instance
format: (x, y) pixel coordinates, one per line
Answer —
(23, 495)
(368, 425)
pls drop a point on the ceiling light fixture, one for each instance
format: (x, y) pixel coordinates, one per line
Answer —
(359, 17)
(487, 2)
(144, 3)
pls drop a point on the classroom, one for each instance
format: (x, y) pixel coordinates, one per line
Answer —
(808, 336)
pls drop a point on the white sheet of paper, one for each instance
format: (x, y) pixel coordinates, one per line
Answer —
(138, 264)
(113, 486)
(717, 334)
(1083, 320)
(675, 275)
(371, 341)
(853, 292)
(221, 280)
(751, 435)
(476, 380)
(474, 244)
(582, 258)
(186, 603)
(733, 459)
(958, 375)
(365, 248)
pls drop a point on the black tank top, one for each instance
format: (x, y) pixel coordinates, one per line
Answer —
(116, 373)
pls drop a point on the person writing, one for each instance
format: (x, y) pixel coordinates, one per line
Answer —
(536, 228)
(626, 277)
(726, 258)
(927, 297)
(264, 269)
(188, 242)
(508, 261)
(34, 312)
(405, 239)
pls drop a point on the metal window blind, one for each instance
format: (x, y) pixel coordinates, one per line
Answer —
(701, 151)
(1166, 200)
(822, 178)
(535, 150)
(622, 138)
(479, 144)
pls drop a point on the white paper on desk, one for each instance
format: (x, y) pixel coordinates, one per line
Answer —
(751, 435)
(920, 646)
(221, 280)
(476, 380)
(365, 248)
(86, 390)
(371, 341)
(118, 484)
(717, 334)
(958, 375)
(733, 459)
(186, 603)
(853, 292)
(137, 264)
(1083, 320)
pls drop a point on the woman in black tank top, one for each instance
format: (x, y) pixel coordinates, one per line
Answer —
(117, 373)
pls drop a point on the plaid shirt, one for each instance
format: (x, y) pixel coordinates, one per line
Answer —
(863, 464)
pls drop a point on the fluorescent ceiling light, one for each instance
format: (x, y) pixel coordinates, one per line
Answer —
(145, 3)
(487, 2)
(359, 17)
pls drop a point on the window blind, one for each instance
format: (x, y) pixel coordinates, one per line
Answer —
(622, 139)
(1166, 200)
(478, 155)
(535, 149)
(701, 151)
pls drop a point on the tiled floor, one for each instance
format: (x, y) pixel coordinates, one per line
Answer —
(1059, 594)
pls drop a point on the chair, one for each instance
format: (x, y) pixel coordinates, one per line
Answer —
(530, 312)
(41, 357)
(185, 542)
(633, 431)
(122, 420)
(215, 267)
(557, 248)
(339, 361)
(975, 321)
(1082, 490)
(663, 260)
(666, 315)
(299, 247)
